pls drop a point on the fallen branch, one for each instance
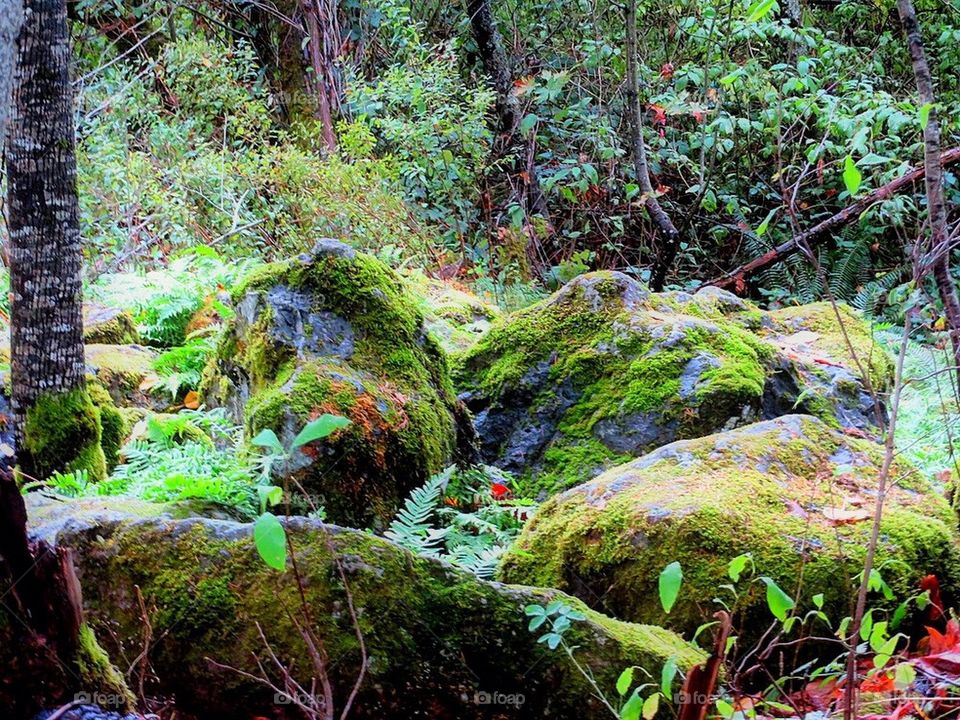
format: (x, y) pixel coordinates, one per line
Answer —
(848, 214)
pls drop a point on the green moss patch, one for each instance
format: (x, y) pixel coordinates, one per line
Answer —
(794, 493)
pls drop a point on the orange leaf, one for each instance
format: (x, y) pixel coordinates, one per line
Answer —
(192, 400)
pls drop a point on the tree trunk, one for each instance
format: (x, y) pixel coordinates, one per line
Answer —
(495, 64)
(48, 654)
(669, 234)
(939, 248)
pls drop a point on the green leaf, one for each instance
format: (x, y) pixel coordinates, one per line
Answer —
(818, 601)
(528, 123)
(851, 175)
(270, 539)
(269, 495)
(320, 428)
(724, 708)
(762, 227)
(624, 681)
(268, 438)
(667, 675)
(778, 601)
(904, 676)
(671, 578)
(866, 625)
(925, 115)
(760, 10)
(737, 566)
(650, 706)
(633, 707)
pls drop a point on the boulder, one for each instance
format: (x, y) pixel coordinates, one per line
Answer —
(126, 371)
(108, 326)
(793, 492)
(604, 370)
(336, 331)
(455, 316)
(438, 640)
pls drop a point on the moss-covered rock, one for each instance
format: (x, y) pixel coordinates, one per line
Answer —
(115, 424)
(436, 638)
(337, 332)
(61, 433)
(108, 326)
(604, 370)
(793, 492)
(126, 371)
(455, 316)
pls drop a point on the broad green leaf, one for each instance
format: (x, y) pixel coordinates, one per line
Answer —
(737, 566)
(762, 227)
(633, 707)
(671, 578)
(818, 601)
(904, 676)
(724, 708)
(760, 10)
(866, 625)
(650, 706)
(270, 539)
(268, 438)
(624, 681)
(667, 675)
(320, 428)
(269, 495)
(851, 175)
(925, 115)
(778, 601)
(528, 123)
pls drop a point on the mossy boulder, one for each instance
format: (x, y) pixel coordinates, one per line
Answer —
(336, 331)
(126, 372)
(793, 492)
(436, 638)
(455, 316)
(604, 370)
(108, 326)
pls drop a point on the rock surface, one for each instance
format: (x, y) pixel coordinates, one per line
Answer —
(108, 326)
(337, 332)
(794, 493)
(603, 371)
(437, 639)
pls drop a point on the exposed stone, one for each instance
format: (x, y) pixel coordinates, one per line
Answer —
(794, 493)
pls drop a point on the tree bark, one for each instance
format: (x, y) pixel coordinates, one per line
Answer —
(42, 606)
(11, 16)
(737, 278)
(497, 67)
(939, 255)
(669, 235)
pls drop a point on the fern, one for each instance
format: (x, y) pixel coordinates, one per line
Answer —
(412, 527)
(848, 273)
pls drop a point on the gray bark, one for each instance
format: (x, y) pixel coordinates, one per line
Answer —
(940, 246)
(45, 252)
(11, 16)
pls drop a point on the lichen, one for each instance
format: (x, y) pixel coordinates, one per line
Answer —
(62, 433)
(774, 489)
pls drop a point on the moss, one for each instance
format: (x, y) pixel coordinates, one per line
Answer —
(771, 489)
(621, 352)
(126, 371)
(97, 674)
(381, 369)
(115, 425)
(454, 315)
(434, 635)
(109, 326)
(62, 434)
(821, 318)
